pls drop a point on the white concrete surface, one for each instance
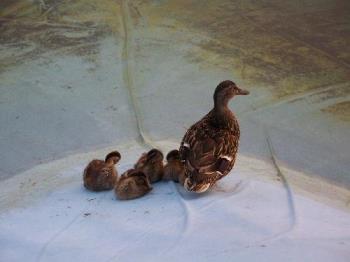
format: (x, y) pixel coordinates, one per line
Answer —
(47, 215)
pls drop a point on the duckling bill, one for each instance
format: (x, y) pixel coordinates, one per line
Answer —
(101, 175)
(209, 147)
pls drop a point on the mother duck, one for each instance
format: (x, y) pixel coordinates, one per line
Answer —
(209, 147)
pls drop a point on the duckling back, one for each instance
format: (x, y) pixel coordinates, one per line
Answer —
(101, 175)
(98, 177)
(132, 184)
(151, 164)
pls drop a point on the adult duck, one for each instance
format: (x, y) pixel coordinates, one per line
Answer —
(209, 147)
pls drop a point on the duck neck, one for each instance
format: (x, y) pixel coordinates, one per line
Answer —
(222, 114)
(221, 107)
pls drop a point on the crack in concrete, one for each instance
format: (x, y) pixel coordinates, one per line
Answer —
(286, 185)
(127, 56)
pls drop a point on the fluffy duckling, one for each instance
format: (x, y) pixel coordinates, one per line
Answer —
(101, 175)
(174, 169)
(151, 164)
(132, 184)
(209, 147)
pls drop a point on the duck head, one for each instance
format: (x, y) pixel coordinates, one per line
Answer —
(225, 91)
(173, 155)
(113, 157)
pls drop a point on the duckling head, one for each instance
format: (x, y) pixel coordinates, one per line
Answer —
(173, 155)
(154, 155)
(227, 90)
(113, 157)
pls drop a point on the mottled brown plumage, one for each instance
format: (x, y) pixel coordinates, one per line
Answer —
(174, 169)
(132, 184)
(101, 175)
(209, 147)
(151, 164)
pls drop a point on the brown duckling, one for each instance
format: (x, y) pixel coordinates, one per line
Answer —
(209, 147)
(174, 169)
(101, 175)
(132, 184)
(151, 164)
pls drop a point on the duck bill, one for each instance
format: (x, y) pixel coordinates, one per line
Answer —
(243, 92)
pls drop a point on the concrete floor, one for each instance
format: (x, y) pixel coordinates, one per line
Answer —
(77, 76)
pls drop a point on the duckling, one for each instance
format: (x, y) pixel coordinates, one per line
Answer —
(132, 184)
(101, 175)
(209, 147)
(151, 164)
(174, 169)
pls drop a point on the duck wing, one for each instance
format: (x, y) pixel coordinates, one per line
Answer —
(207, 149)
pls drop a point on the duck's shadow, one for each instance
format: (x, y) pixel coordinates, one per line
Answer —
(218, 189)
